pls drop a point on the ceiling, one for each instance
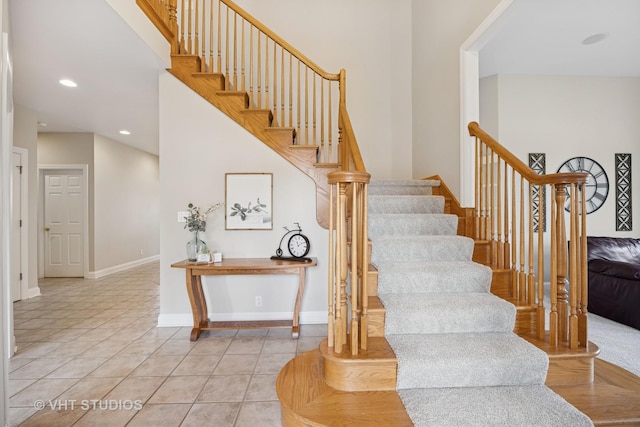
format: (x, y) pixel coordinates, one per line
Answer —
(88, 42)
(545, 37)
(117, 73)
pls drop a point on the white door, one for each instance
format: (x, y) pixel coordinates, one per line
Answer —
(16, 224)
(63, 222)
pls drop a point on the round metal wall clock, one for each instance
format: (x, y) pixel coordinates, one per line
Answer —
(597, 186)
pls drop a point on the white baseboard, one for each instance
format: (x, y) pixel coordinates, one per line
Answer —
(33, 292)
(118, 268)
(186, 319)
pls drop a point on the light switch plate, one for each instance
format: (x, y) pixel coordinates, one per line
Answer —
(182, 216)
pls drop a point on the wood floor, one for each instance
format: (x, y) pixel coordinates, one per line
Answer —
(612, 400)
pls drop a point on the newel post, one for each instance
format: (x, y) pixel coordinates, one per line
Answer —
(561, 261)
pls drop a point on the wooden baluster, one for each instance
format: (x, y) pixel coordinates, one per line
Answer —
(477, 191)
(492, 201)
(259, 72)
(499, 260)
(485, 207)
(227, 75)
(211, 27)
(282, 87)
(219, 61)
(556, 210)
(330, 126)
(242, 55)
(514, 236)
(275, 82)
(306, 104)
(540, 313)
(182, 28)
(299, 108)
(291, 91)
(189, 23)
(583, 317)
(173, 25)
(505, 204)
(522, 280)
(531, 280)
(196, 38)
(235, 51)
(574, 276)
(251, 94)
(314, 102)
(332, 270)
(364, 267)
(355, 291)
(267, 96)
(322, 144)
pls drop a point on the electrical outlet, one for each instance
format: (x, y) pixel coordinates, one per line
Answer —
(141, 252)
(258, 301)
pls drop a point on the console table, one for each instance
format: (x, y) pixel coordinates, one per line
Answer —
(240, 266)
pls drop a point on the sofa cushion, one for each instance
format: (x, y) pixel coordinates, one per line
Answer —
(623, 249)
(615, 269)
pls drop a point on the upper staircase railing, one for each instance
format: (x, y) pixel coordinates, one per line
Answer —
(253, 59)
(301, 96)
(510, 205)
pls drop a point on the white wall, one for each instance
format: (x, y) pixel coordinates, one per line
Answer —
(25, 135)
(198, 145)
(371, 39)
(439, 28)
(123, 197)
(126, 203)
(565, 117)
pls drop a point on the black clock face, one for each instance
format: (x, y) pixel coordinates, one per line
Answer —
(298, 245)
(597, 186)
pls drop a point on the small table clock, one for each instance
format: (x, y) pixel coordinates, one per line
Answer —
(298, 245)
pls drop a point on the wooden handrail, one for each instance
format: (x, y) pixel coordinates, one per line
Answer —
(521, 168)
(506, 216)
(282, 42)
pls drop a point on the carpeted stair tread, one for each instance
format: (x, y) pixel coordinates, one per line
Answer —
(412, 224)
(522, 406)
(427, 276)
(444, 313)
(412, 186)
(416, 204)
(467, 360)
(423, 248)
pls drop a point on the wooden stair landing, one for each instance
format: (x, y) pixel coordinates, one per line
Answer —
(306, 400)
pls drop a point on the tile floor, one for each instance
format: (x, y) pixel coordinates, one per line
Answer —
(90, 354)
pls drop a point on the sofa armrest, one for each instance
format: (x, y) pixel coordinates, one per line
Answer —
(624, 270)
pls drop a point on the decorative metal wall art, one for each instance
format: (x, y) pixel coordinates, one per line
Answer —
(623, 192)
(538, 162)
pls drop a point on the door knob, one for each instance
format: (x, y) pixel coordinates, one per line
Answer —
(46, 229)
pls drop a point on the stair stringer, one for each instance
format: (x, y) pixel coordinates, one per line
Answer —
(260, 123)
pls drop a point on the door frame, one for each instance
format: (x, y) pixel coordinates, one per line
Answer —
(84, 172)
(24, 229)
(470, 95)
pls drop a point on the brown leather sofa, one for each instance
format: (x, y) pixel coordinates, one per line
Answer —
(614, 278)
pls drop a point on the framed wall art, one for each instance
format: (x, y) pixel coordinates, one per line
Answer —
(248, 201)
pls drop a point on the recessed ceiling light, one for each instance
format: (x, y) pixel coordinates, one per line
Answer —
(125, 132)
(68, 83)
(596, 38)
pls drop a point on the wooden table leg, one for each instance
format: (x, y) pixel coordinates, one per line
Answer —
(295, 328)
(198, 304)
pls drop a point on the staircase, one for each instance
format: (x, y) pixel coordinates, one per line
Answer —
(439, 337)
